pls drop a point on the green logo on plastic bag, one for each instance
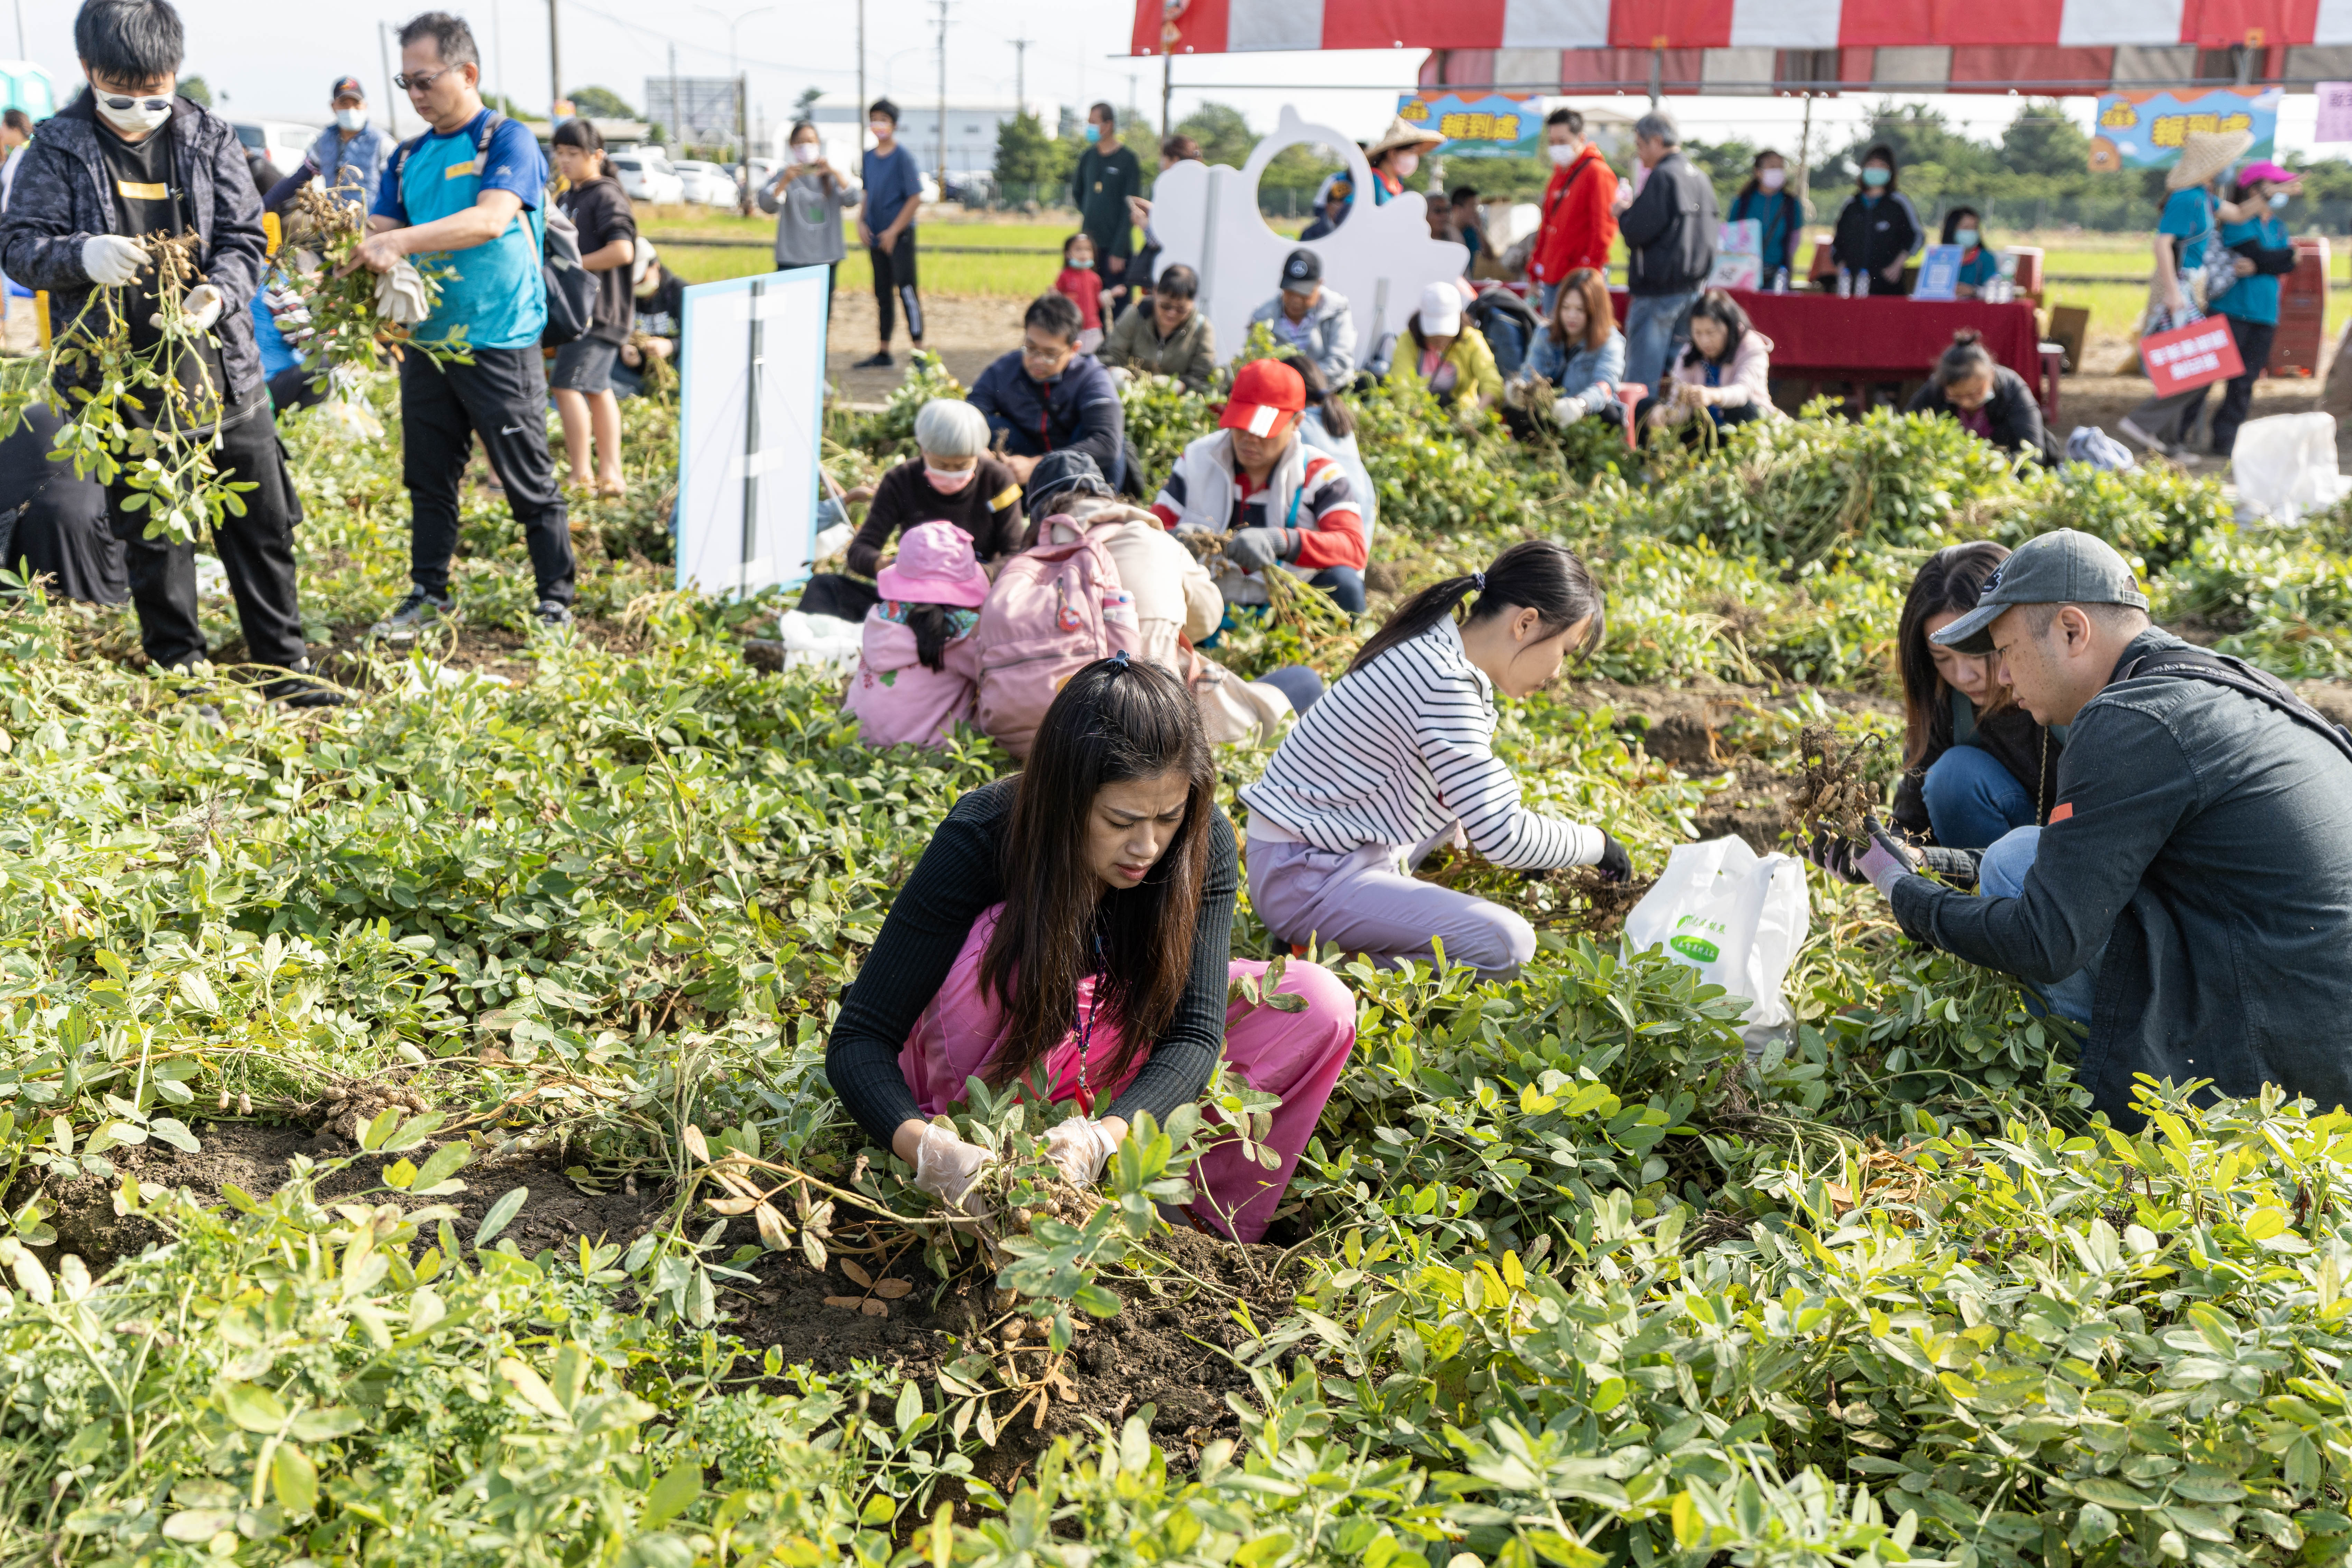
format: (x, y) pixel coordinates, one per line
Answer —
(1695, 947)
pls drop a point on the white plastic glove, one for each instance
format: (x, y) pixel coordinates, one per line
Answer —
(203, 307)
(400, 294)
(946, 1166)
(110, 260)
(1079, 1149)
(1568, 410)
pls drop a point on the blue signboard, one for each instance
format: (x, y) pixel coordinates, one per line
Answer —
(2147, 129)
(1491, 125)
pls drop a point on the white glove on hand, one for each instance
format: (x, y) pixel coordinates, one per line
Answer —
(946, 1166)
(400, 294)
(1079, 1149)
(110, 260)
(201, 306)
(1568, 410)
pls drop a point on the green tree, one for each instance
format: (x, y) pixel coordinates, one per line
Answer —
(804, 106)
(1026, 158)
(196, 91)
(601, 103)
(1224, 135)
(1919, 134)
(2042, 141)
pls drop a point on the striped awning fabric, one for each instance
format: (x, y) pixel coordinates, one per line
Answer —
(1766, 45)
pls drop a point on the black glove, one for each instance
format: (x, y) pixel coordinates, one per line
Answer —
(1614, 865)
(1255, 549)
(1835, 856)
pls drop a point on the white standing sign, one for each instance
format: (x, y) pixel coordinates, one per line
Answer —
(1379, 259)
(751, 422)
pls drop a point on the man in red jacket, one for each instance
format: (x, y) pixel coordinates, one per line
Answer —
(1579, 220)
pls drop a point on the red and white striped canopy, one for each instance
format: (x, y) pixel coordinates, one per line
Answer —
(1765, 46)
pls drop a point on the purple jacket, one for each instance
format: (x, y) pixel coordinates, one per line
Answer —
(62, 195)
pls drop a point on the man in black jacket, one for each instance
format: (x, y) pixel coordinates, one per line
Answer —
(1669, 231)
(1046, 396)
(2190, 899)
(127, 159)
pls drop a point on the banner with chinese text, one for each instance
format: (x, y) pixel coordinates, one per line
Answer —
(2146, 130)
(1491, 125)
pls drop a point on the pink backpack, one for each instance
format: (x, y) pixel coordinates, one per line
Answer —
(1043, 622)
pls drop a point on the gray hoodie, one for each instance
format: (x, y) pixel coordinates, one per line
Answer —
(1331, 334)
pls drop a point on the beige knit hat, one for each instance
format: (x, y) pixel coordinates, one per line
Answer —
(2204, 154)
(1402, 132)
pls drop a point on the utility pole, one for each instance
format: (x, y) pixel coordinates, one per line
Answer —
(944, 99)
(857, 113)
(1167, 93)
(384, 48)
(554, 63)
(497, 51)
(1021, 75)
(20, 31)
(743, 139)
(676, 126)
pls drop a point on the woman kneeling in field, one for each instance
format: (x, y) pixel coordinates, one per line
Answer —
(1399, 757)
(1078, 918)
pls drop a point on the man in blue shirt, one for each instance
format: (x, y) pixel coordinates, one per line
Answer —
(468, 195)
(348, 158)
(894, 190)
(2251, 306)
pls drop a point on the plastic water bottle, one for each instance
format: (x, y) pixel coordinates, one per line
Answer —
(1780, 281)
(1845, 284)
(1861, 282)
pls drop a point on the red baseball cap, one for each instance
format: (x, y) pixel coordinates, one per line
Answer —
(1263, 390)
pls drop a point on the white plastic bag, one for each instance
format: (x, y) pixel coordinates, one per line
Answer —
(2284, 466)
(1735, 916)
(821, 640)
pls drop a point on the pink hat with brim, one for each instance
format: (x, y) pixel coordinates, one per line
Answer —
(935, 566)
(2267, 170)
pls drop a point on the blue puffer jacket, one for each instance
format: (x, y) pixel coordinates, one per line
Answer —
(62, 195)
(1590, 374)
(1080, 410)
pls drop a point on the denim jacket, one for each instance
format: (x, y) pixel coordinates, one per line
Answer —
(1590, 374)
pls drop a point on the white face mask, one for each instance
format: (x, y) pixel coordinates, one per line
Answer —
(881, 129)
(950, 481)
(350, 120)
(1403, 164)
(136, 119)
(1559, 154)
(1772, 179)
(805, 152)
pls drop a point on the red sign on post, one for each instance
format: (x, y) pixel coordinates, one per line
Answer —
(2198, 354)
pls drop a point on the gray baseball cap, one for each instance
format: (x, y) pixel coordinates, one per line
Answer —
(2062, 567)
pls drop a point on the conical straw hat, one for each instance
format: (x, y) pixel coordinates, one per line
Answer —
(1402, 132)
(2205, 155)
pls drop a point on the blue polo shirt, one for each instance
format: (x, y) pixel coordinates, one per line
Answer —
(2190, 214)
(497, 294)
(1978, 267)
(892, 180)
(2254, 298)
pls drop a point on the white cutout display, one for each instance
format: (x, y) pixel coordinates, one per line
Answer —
(1379, 260)
(751, 417)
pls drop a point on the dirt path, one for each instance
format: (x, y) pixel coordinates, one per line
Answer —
(964, 330)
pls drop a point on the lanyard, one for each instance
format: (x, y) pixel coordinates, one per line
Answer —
(1086, 1037)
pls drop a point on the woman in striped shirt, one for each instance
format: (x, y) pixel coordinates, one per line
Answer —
(1398, 757)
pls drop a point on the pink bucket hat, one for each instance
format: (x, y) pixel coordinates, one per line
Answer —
(2266, 170)
(935, 566)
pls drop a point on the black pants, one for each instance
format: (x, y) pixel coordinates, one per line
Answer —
(894, 285)
(502, 399)
(256, 550)
(2254, 340)
(292, 388)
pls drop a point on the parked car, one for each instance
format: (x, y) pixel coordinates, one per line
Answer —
(646, 175)
(707, 184)
(283, 142)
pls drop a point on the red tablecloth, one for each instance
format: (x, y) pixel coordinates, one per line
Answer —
(1881, 338)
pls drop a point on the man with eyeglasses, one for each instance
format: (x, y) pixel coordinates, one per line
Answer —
(1046, 396)
(470, 193)
(127, 159)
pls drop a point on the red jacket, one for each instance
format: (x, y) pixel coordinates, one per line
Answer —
(1578, 225)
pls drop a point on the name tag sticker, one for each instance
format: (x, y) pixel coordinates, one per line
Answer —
(139, 191)
(461, 171)
(2065, 810)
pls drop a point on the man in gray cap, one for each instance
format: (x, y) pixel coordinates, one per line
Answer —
(2191, 897)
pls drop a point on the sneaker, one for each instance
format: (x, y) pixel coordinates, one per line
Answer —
(552, 613)
(2140, 437)
(880, 360)
(298, 692)
(409, 617)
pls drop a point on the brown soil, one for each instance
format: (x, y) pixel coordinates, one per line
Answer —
(965, 331)
(1167, 1349)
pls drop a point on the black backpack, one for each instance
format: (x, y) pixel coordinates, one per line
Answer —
(571, 287)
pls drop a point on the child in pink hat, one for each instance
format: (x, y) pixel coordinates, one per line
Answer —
(917, 672)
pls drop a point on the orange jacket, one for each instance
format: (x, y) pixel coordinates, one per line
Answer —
(1578, 225)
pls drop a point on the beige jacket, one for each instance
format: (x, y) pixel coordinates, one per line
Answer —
(1176, 603)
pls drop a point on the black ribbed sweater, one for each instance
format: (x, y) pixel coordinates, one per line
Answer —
(958, 878)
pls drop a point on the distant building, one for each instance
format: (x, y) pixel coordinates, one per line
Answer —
(972, 131)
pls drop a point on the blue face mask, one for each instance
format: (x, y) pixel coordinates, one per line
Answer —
(1094, 131)
(2278, 199)
(1875, 177)
(1966, 238)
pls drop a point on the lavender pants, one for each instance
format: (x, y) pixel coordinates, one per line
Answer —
(1365, 901)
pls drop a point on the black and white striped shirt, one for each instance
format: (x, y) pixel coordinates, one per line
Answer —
(1400, 751)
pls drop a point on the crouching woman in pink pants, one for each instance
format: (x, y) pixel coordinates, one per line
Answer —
(1079, 916)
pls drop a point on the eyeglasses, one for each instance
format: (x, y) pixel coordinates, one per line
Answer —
(153, 105)
(1046, 355)
(422, 81)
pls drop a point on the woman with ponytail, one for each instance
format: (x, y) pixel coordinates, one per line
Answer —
(1398, 757)
(1076, 921)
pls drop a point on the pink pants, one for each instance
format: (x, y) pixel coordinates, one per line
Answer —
(1295, 1056)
